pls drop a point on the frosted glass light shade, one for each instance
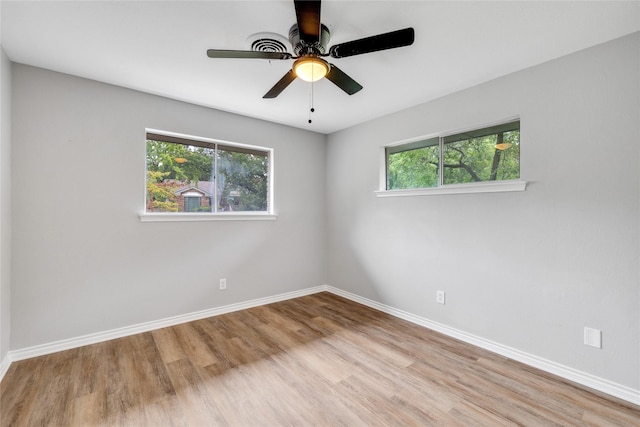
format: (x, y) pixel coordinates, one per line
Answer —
(310, 69)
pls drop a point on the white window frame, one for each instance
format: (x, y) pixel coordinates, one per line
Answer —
(466, 188)
(211, 216)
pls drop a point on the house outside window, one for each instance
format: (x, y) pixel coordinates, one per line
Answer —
(192, 199)
(197, 175)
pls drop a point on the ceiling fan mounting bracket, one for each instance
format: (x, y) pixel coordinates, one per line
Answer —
(301, 48)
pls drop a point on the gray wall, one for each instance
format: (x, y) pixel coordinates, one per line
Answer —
(528, 270)
(82, 260)
(5, 204)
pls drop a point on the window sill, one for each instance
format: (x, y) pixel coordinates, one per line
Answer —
(191, 217)
(481, 187)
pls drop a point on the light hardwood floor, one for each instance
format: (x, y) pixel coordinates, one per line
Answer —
(316, 360)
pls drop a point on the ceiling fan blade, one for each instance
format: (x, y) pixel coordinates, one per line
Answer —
(281, 85)
(342, 80)
(384, 41)
(308, 18)
(246, 54)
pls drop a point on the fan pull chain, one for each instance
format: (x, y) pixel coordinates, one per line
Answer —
(311, 109)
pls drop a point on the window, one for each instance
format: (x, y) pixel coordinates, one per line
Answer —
(192, 203)
(481, 155)
(205, 176)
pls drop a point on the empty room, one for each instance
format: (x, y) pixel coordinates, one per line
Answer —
(336, 213)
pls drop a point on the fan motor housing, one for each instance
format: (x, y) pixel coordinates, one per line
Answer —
(300, 47)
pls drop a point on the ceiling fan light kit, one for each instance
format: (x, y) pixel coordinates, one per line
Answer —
(310, 68)
(309, 40)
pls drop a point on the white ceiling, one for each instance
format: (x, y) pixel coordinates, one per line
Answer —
(160, 47)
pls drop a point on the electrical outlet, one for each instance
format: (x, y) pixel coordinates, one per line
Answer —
(440, 295)
(223, 284)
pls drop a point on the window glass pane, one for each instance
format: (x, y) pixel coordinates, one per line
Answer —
(413, 168)
(490, 154)
(242, 180)
(172, 171)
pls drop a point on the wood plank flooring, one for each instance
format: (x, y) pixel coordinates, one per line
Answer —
(318, 360)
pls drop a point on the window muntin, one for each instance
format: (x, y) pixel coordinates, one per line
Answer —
(190, 175)
(481, 155)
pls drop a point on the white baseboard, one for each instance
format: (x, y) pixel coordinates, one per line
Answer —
(600, 384)
(4, 366)
(596, 383)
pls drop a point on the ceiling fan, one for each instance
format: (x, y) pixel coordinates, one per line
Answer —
(309, 39)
